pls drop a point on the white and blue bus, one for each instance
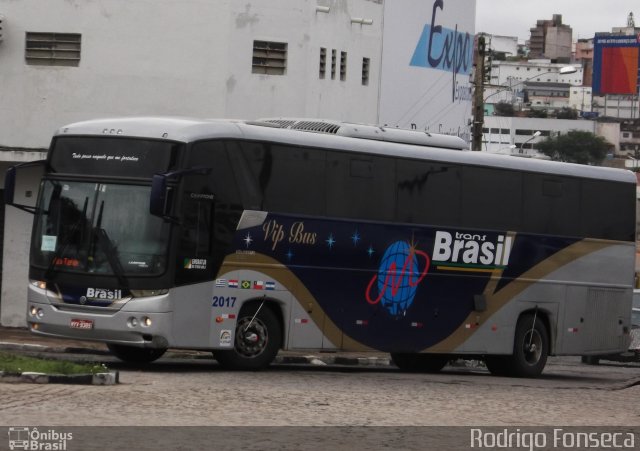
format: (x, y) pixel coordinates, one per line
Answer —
(245, 238)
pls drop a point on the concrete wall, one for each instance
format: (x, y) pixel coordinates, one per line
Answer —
(188, 58)
(15, 268)
(194, 58)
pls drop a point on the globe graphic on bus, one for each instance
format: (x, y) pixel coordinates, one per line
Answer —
(399, 266)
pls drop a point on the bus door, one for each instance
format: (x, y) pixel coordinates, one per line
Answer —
(208, 219)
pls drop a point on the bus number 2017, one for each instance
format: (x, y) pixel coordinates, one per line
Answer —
(221, 301)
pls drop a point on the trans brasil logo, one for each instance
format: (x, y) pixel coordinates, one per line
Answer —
(401, 270)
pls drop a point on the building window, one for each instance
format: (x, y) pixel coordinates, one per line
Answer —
(53, 49)
(333, 63)
(269, 58)
(343, 66)
(365, 71)
(323, 62)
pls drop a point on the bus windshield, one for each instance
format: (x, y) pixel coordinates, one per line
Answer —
(99, 228)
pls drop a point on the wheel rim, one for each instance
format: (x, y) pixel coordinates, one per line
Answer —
(532, 347)
(251, 337)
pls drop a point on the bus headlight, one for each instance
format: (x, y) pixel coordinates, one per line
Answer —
(146, 321)
(39, 284)
(35, 311)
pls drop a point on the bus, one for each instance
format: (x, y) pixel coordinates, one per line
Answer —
(245, 238)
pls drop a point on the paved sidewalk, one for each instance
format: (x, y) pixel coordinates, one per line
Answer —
(22, 340)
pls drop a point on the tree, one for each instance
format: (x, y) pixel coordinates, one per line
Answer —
(567, 113)
(504, 109)
(537, 113)
(575, 146)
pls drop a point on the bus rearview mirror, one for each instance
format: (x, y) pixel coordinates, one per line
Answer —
(158, 201)
(29, 172)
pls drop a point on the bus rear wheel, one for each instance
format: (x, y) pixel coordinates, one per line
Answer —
(419, 363)
(134, 354)
(257, 340)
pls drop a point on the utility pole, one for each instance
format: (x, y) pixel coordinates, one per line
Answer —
(478, 103)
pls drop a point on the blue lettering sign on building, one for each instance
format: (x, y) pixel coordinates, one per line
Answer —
(443, 48)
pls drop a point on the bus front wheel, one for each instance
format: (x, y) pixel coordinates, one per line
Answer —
(423, 363)
(531, 347)
(133, 354)
(257, 340)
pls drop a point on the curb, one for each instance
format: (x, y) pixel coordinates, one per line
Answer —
(281, 359)
(24, 347)
(334, 360)
(110, 378)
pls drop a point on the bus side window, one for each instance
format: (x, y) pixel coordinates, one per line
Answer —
(428, 193)
(553, 204)
(361, 186)
(621, 221)
(285, 178)
(246, 163)
(491, 199)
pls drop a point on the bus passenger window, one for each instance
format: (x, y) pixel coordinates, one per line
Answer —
(361, 186)
(428, 193)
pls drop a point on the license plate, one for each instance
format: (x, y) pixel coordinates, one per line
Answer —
(81, 324)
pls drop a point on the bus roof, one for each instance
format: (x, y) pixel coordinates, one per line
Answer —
(335, 135)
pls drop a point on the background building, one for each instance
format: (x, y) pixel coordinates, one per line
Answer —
(63, 61)
(551, 39)
(517, 135)
(616, 72)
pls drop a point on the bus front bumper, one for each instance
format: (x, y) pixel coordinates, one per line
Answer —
(148, 329)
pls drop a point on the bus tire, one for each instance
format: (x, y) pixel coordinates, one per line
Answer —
(498, 365)
(530, 347)
(134, 354)
(256, 342)
(419, 363)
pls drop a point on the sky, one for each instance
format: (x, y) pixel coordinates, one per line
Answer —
(585, 17)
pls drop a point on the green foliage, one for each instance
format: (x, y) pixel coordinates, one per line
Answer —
(567, 113)
(537, 113)
(17, 364)
(575, 147)
(504, 109)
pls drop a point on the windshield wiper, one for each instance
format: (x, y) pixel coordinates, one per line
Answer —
(63, 246)
(110, 250)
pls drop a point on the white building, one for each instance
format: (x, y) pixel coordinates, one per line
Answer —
(359, 60)
(518, 135)
(580, 98)
(509, 79)
(503, 45)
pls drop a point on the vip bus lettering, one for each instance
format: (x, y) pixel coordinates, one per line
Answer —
(274, 232)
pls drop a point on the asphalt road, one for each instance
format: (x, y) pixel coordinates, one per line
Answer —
(186, 401)
(318, 406)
